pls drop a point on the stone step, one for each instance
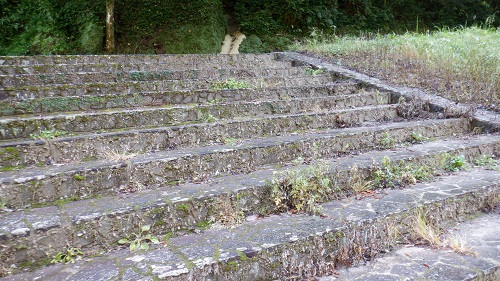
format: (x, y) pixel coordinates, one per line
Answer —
(415, 262)
(286, 246)
(197, 61)
(263, 119)
(101, 101)
(99, 177)
(119, 88)
(112, 67)
(24, 127)
(75, 78)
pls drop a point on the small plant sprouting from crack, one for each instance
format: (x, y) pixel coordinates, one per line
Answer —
(488, 162)
(418, 138)
(47, 134)
(314, 72)
(358, 182)
(69, 255)
(303, 189)
(140, 241)
(386, 141)
(230, 83)
(456, 163)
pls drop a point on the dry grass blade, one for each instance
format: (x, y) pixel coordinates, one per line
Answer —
(425, 230)
(116, 155)
(459, 245)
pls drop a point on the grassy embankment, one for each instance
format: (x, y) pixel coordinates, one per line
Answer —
(462, 65)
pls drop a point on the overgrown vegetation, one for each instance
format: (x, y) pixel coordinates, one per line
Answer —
(230, 83)
(302, 189)
(48, 134)
(462, 64)
(199, 26)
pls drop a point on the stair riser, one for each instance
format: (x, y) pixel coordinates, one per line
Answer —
(24, 128)
(58, 104)
(206, 163)
(99, 231)
(119, 88)
(191, 61)
(161, 75)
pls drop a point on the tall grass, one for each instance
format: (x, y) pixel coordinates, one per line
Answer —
(461, 64)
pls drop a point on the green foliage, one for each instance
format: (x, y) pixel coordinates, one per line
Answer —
(230, 83)
(487, 161)
(456, 163)
(386, 141)
(140, 241)
(48, 134)
(302, 189)
(69, 255)
(388, 175)
(313, 72)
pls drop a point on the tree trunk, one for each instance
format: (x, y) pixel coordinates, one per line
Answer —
(110, 26)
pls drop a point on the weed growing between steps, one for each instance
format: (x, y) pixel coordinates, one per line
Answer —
(230, 83)
(141, 240)
(48, 134)
(302, 190)
(68, 255)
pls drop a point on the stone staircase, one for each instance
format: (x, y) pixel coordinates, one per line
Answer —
(226, 167)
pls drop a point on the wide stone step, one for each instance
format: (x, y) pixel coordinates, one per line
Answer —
(112, 67)
(197, 61)
(23, 127)
(23, 80)
(426, 263)
(102, 101)
(111, 88)
(266, 122)
(276, 247)
(99, 177)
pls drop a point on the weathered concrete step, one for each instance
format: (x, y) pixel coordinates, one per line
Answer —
(190, 60)
(262, 120)
(285, 246)
(425, 263)
(80, 180)
(23, 127)
(160, 75)
(111, 88)
(112, 67)
(102, 101)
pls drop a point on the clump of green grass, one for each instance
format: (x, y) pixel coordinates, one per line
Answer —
(461, 64)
